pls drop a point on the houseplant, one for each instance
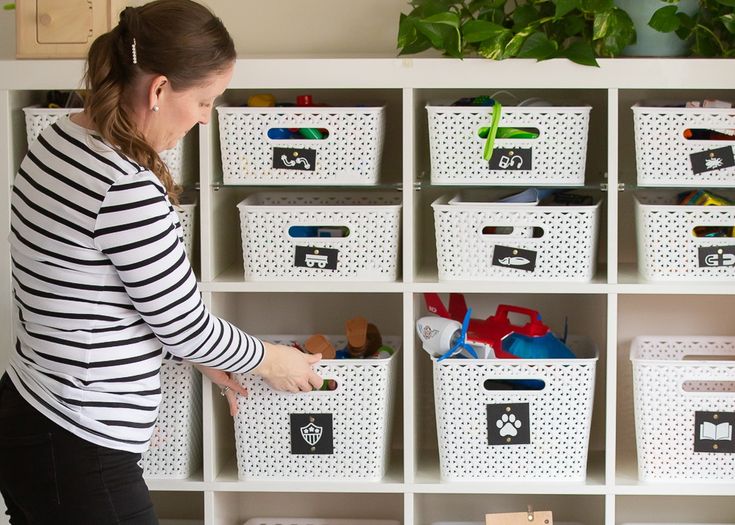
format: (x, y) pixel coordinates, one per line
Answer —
(579, 30)
(710, 32)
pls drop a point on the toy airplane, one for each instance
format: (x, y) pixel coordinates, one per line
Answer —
(455, 334)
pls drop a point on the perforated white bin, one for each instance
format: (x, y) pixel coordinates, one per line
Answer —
(38, 119)
(479, 240)
(669, 247)
(283, 236)
(317, 521)
(350, 154)
(176, 447)
(491, 434)
(342, 434)
(665, 157)
(556, 158)
(684, 389)
(187, 217)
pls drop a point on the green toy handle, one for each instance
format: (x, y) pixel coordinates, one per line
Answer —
(490, 142)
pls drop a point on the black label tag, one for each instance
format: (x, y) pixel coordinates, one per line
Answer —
(311, 434)
(312, 257)
(294, 159)
(517, 258)
(713, 432)
(508, 424)
(712, 159)
(511, 159)
(716, 256)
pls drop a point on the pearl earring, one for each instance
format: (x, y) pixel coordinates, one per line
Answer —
(155, 108)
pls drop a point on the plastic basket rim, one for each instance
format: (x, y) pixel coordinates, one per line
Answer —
(637, 108)
(36, 108)
(371, 108)
(636, 341)
(589, 345)
(442, 203)
(677, 207)
(324, 521)
(524, 109)
(250, 201)
(342, 362)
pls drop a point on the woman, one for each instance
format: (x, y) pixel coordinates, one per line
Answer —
(102, 284)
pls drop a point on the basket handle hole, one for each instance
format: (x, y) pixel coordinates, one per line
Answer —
(303, 133)
(510, 133)
(313, 232)
(708, 134)
(514, 384)
(536, 232)
(713, 231)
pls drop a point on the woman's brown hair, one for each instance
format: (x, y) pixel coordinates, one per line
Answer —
(180, 39)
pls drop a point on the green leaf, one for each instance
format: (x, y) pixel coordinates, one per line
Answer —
(453, 45)
(494, 47)
(565, 6)
(597, 6)
(438, 34)
(665, 20)
(615, 30)
(420, 44)
(406, 30)
(450, 19)
(573, 25)
(728, 21)
(538, 46)
(524, 15)
(479, 30)
(729, 3)
(514, 44)
(580, 52)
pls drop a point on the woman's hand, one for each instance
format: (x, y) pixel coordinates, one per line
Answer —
(286, 368)
(229, 387)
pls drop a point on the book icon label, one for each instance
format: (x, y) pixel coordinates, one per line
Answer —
(713, 432)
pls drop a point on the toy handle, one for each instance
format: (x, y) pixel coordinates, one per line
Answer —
(504, 309)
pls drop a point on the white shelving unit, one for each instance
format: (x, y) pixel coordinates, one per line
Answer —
(612, 309)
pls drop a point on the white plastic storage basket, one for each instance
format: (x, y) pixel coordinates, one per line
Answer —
(343, 434)
(491, 434)
(350, 154)
(684, 391)
(187, 218)
(317, 521)
(664, 157)
(554, 243)
(556, 158)
(668, 246)
(283, 236)
(176, 446)
(38, 119)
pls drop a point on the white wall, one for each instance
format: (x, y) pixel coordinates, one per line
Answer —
(290, 27)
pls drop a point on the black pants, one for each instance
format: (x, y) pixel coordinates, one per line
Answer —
(51, 476)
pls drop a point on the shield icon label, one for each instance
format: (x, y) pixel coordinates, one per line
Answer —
(311, 434)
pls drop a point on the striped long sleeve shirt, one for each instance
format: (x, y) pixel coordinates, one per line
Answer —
(103, 291)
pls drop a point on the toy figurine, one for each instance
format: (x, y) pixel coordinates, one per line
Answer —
(363, 338)
(318, 344)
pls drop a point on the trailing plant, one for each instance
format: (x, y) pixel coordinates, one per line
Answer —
(579, 30)
(710, 32)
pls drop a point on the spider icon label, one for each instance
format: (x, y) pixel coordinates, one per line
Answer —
(294, 159)
(317, 258)
(712, 159)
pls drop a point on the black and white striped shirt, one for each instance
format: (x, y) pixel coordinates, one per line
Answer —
(104, 291)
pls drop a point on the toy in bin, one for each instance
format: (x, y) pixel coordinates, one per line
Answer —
(495, 337)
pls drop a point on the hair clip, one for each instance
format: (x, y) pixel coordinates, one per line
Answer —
(135, 53)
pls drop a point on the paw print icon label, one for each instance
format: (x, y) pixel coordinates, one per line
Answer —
(508, 424)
